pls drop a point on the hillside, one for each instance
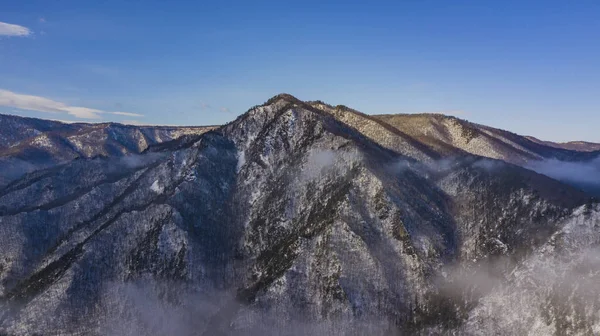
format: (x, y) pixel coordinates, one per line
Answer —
(30, 144)
(297, 218)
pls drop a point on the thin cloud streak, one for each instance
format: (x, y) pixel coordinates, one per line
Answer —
(127, 114)
(74, 121)
(41, 104)
(8, 29)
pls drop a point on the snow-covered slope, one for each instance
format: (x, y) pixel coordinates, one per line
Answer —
(293, 219)
(580, 146)
(29, 144)
(439, 130)
(14, 129)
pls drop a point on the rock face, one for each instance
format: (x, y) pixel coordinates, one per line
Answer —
(296, 218)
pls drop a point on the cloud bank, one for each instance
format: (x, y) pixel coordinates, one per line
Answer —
(41, 104)
(7, 29)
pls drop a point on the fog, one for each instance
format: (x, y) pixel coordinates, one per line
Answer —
(583, 175)
(150, 307)
(12, 169)
(134, 161)
(554, 287)
(553, 290)
(538, 296)
(323, 162)
(577, 172)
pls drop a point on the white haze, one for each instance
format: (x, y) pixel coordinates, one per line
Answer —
(151, 307)
(12, 168)
(322, 162)
(575, 172)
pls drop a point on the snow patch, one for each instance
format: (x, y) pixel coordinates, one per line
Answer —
(157, 187)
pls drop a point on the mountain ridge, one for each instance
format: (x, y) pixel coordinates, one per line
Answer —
(589, 147)
(314, 220)
(38, 143)
(581, 146)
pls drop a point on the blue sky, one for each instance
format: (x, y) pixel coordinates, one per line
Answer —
(532, 67)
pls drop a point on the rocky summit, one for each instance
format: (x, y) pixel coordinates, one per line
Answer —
(297, 218)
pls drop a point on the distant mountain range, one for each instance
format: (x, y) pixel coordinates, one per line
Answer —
(439, 131)
(297, 218)
(580, 146)
(28, 144)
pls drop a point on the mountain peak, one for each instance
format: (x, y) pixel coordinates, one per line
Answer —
(282, 96)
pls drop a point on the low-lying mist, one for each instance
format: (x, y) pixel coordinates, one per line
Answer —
(12, 169)
(151, 307)
(582, 174)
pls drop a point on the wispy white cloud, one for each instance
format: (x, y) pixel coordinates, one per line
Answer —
(41, 104)
(225, 110)
(82, 112)
(127, 114)
(73, 121)
(7, 29)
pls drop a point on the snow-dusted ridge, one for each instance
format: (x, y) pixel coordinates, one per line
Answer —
(297, 218)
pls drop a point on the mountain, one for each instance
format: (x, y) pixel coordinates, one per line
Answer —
(438, 130)
(14, 129)
(580, 146)
(449, 136)
(297, 218)
(29, 144)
